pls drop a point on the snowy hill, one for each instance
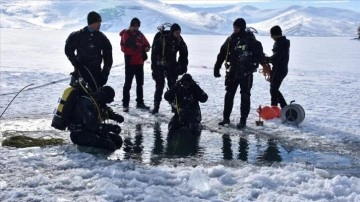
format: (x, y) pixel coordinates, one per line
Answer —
(295, 20)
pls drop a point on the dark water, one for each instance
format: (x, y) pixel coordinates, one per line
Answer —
(150, 144)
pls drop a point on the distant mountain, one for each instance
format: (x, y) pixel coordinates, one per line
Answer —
(295, 20)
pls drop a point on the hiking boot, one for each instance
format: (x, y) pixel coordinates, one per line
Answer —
(241, 124)
(224, 121)
(125, 109)
(142, 106)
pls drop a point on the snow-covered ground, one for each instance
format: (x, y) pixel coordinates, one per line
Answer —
(319, 161)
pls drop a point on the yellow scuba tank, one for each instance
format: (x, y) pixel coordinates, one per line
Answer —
(58, 122)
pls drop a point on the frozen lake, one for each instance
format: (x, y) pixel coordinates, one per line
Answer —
(323, 78)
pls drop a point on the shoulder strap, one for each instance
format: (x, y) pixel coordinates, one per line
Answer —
(163, 43)
(228, 48)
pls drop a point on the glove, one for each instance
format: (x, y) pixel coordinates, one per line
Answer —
(180, 70)
(217, 73)
(144, 55)
(267, 59)
(107, 128)
(203, 97)
(118, 118)
(104, 76)
(114, 128)
(184, 70)
(75, 72)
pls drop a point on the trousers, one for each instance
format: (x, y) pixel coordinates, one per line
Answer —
(132, 71)
(245, 80)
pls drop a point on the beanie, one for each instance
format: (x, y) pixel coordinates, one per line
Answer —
(276, 30)
(240, 23)
(135, 21)
(186, 77)
(107, 93)
(93, 17)
(174, 27)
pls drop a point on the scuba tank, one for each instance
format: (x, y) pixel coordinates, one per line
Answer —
(58, 121)
(67, 103)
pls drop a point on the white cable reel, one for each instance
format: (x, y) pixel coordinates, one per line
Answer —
(293, 113)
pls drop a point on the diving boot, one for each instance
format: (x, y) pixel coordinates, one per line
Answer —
(224, 121)
(241, 124)
(142, 106)
(155, 110)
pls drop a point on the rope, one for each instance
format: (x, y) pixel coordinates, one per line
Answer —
(22, 141)
(163, 48)
(227, 54)
(52, 82)
(97, 88)
(266, 71)
(14, 99)
(177, 105)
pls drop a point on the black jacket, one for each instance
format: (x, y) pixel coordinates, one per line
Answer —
(91, 49)
(229, 51)
(280, 57)
(164, 54)
(186, 98)
(86, 114)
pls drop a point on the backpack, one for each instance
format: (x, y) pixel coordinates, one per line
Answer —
(67, 104)
(162, 31)
(59, 121)
(161, 34)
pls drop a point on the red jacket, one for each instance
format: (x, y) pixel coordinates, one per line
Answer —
(133, 44)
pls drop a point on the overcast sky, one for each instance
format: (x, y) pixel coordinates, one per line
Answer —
(264, 4)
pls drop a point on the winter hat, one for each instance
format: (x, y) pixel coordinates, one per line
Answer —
(135, 21)
(186, 77)
(240, 23)
(186, 80)
(107, 94)
(93, 17)
(276, 30)
(175, 27)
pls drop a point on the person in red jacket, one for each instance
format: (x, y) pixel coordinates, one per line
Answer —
(134, 45)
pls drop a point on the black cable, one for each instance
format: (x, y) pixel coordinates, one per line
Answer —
(14, 99)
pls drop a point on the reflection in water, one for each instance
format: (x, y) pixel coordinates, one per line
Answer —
(158, 141)
(127, 147)
(243, 149)
(181, 143)
(227, 151)
(158, 149)
(271, 153)
(136, 147)
(146, 144)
